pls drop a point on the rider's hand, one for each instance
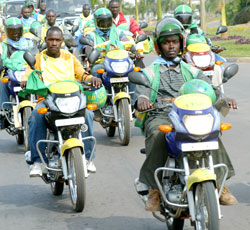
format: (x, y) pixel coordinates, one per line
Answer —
(138, 55)
(144, 104)
(96, 82)
(232, 103)
(23, 84)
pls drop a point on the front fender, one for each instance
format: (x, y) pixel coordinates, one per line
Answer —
(25, 103)
(200, 175)
(71, 143)
(121, 95)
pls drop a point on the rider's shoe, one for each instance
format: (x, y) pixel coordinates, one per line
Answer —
(227, 198)
(36, 170)
(141, 188)
(153, 202)
(91, 167)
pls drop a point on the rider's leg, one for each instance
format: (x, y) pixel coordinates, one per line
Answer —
(37, 131)
(4, 97)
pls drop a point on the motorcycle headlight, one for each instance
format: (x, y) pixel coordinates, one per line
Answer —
(198, 124)
(120, 67)
(68, 104)
(202, 61)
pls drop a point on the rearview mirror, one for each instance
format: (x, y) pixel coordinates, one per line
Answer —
(74, 29)
(221, 29)
(143, 25)
(84, 41)
(30, 59)
(93, 56)
(229, 72)
(138, 78)
(141, 37)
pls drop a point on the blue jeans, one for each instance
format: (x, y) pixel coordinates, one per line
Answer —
(37, 131)
(4, 95)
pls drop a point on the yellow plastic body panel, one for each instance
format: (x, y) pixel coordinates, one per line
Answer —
(200, 175)
(198, 47)
(117, 54)
(121, 95)
(64, 87)
(71, 143)
(25, 103)
(193, 101)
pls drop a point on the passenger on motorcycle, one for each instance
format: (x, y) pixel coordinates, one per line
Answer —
(41, 15)
(30, 4)
(13, 48)
(56, 64)
(84, 17)
(167, 73)
(128, 23)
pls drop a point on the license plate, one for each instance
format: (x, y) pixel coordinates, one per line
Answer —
(17, 89)
(118, 80)
(211, 145)
(70, 121)
(209, 73)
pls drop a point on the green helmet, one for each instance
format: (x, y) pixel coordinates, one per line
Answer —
(166, 27)
(13, 28)
(103, 19)
(184, 14)
(198, 86)
(96, 96)
(29, 3)
(195, 38)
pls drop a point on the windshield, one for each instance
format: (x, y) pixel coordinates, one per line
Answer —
(67, 6)
(13, 9)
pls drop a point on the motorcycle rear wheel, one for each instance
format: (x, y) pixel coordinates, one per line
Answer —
(77, 183)
(110, 131)
(124, 121)
(206, 207)
(174, 224)
(26, 114)
(57, 188)
(20, 138)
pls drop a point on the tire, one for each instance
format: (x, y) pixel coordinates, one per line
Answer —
(77, 184)
(110, 131)
(174, 224)
(26, 114)
(57, 188)
(206, 206)
(124, 121)
(20, 138)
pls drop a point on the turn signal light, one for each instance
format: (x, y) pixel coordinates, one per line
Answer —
(42, 110)
(137, 69)
(225, 126)
(219, 62)
(100, 71)
(5, 80)
(165, 128)
(91, 107)
(140, 50)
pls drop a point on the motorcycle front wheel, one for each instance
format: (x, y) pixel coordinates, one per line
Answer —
(26, 114)
(124, 121)
(77, 183)
(174, 223)
(206, 207)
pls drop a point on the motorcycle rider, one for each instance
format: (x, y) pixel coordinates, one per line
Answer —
(12, 55)
(26, 19)
(41, 15)
(84, 17)
(168, 73)
(105, 32)
(56, 65)
(30, 4)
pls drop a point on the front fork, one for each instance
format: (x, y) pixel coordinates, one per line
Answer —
(189, 193)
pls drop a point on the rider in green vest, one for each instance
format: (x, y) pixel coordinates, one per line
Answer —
(165, 75)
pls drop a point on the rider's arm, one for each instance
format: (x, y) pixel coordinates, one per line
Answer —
(134, 27)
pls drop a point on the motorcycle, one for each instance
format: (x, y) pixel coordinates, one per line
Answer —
(17, 111)
(188, 182)
(206, 58)
(65, 115)
(117, 111)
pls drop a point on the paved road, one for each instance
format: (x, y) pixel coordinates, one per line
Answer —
(112, 203)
